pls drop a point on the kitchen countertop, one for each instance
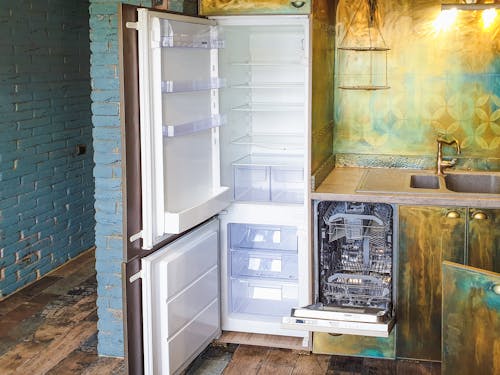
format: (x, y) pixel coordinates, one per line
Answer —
(342, 185)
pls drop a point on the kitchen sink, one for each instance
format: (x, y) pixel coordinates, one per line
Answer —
(473, 183)
(419, 181)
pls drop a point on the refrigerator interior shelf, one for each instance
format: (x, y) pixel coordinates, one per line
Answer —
(190, 41)
(270, 85)
(270, 107)
(277, 64)
(292, 161)
(194, 126)
(273, 141)
(168, 87)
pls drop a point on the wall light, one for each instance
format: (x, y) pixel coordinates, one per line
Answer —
(489, 16)
(445, 19)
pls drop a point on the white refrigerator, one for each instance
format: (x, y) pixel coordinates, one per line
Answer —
(224, 127)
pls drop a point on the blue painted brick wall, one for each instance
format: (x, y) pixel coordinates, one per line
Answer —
(107, 172)
(46, 190)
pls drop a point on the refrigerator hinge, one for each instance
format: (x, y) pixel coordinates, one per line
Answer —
(135, 237)
(135, 277)
(132, 25)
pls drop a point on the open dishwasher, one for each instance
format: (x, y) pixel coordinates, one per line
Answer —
(353, 271)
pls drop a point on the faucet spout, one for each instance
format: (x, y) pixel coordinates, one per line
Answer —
(442, 164)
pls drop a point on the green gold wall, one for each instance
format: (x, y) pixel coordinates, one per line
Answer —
(441, 82)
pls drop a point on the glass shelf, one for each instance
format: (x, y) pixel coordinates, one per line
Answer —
(168, 87)
(193, 126)
(273, 141)
(190, 41)
(270, 107)
(270, 63)
(269, 85)
(292, 161)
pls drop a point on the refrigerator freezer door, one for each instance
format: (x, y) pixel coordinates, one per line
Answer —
(179, 123)
(180, 289)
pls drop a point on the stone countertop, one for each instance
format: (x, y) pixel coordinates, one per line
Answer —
(342, 184)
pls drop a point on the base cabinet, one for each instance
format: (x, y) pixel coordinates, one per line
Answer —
(351, 345)
(471, 320)
(427, 237)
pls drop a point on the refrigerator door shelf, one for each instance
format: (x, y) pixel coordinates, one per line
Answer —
(194, 126)
(178, 222)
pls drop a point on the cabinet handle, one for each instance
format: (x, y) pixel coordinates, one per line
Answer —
(479, 215)
(298, 4)
(496, 289)
(453, 215)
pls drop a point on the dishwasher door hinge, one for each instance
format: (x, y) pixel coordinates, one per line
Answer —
(136, 236)
(135, 277)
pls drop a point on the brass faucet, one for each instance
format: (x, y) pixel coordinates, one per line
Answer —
(442, 164)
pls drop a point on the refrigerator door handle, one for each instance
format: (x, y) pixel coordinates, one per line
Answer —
(135, 237)
(132, 25)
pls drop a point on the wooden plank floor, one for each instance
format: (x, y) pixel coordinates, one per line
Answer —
(50, 327)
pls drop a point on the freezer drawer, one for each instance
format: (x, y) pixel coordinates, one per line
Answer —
(262, 297)
(262, 237)
(271, 264)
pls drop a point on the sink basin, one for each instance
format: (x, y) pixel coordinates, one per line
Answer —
(473, 183)
(420, 181)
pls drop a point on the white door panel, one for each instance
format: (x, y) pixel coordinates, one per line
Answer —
(185, 344)
(184, 307)
(180, 299)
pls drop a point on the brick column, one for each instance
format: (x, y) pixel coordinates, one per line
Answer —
(107, 172)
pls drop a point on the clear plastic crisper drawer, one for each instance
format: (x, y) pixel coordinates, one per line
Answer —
(269, 178)
(281, 265)
(262, 237)
(262, 297)
(251, 183)
(287, 184)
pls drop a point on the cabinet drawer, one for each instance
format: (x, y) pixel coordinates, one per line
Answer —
(227, 7)
(281, 265)
(263, 297)
(262, 237)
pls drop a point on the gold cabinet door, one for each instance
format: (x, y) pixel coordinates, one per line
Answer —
(484, 239)
(231, 7)
(471, 321)
(427, 236)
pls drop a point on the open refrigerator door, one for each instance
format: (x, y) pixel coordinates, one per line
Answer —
(179, 123)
